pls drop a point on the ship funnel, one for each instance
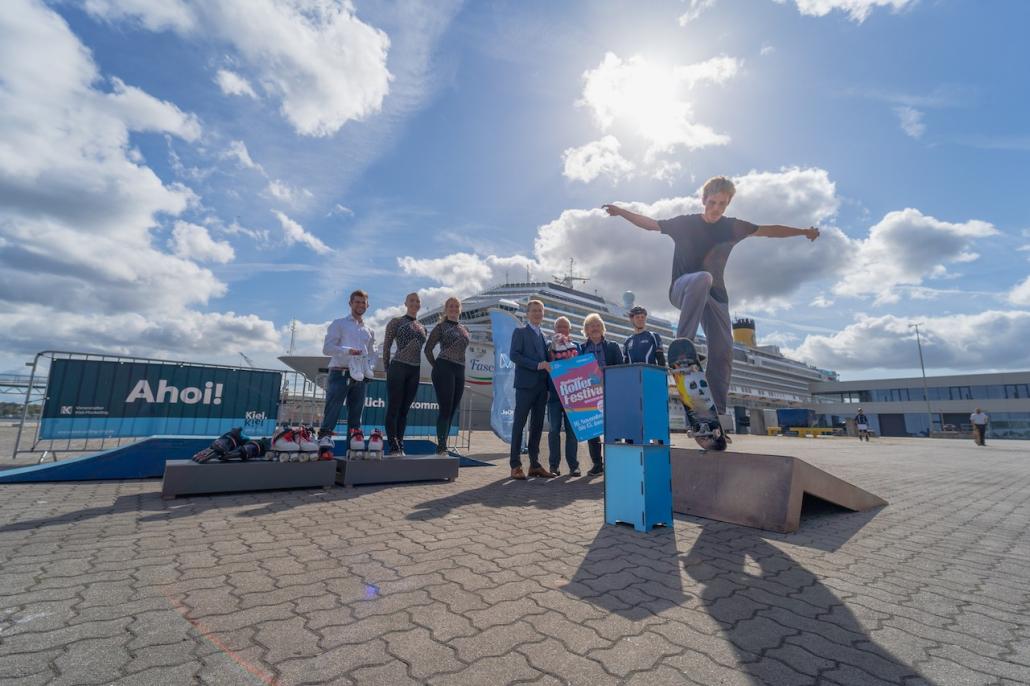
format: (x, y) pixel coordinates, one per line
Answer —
(744, 332)
(628, 298)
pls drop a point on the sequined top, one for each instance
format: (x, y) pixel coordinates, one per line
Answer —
(453, 339)
(410, 336)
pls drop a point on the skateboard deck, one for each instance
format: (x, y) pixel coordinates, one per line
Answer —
(702, 415)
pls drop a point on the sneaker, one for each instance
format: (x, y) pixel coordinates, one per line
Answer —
(375, 441)
(307, 441)
(575, 472)
(596, 469)
(555, 471)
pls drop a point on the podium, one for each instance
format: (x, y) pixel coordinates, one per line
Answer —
(638, 473)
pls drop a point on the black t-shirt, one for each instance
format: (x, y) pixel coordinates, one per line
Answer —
(704, 247)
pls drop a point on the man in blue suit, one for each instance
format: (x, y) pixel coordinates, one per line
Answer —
(529, 354)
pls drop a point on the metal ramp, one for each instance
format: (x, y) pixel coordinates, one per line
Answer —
(760, 491)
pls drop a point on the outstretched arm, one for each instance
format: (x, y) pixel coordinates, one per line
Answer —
(780, 231)
(640, 220)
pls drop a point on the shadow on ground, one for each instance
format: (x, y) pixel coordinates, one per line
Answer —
(779, 617)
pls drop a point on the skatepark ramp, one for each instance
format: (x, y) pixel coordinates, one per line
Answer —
(145, 459)
(760, 491)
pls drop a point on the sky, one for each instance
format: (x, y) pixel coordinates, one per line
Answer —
(186, 178)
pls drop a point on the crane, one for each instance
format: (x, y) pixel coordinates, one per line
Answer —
(250, 362)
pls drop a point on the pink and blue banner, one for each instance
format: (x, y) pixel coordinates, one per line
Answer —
(578, 381)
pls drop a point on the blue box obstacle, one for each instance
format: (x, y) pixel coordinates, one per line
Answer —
(638, 474)
(638, 394)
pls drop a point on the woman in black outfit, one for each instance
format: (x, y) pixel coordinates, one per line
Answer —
(448, 368)
(402, 370)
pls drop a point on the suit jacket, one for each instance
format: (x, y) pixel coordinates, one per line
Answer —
(527, 351)
(612, 352)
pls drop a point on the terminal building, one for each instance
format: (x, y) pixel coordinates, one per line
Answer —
(900, 407)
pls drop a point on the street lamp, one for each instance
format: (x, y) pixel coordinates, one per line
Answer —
(926, 391)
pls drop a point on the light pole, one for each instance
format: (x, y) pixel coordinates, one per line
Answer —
(926, 391)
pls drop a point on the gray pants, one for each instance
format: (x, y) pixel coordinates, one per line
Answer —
(691, 293)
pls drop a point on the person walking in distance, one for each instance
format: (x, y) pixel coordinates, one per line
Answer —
(402, 369)
(606, 353)
(702, 244)
(350, 345)
(560, 347)
(862, 425)
(643, 346)
(528, 351)
(448, 369)
(979, 420)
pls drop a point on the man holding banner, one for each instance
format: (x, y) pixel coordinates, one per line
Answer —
(529, 354)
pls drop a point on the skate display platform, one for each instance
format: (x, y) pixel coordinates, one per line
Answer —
(392, 470)
(186, 477)
(760, 491)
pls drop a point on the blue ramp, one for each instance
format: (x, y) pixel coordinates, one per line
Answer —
(143, 459)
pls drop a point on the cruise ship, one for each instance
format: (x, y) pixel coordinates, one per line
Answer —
(763, 378)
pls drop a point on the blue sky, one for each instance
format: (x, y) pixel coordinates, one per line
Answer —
(183, 178)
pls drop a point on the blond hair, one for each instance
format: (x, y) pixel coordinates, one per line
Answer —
(562, 318)
(717, 184)
(590, 319)
(535, 302)
(443, 311)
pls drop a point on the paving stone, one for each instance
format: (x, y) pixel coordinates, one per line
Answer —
(506, 669)
(634, 653)
(497, 640)
(423, 655)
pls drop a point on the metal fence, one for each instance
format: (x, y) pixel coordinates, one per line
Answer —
(300, 401)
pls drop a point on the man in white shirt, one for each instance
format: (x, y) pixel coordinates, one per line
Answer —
(979, 421)
(350, 346)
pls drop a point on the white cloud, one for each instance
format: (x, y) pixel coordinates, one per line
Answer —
(821, 301)
(763, 275)
(210, 335)
(295, 233)
(857, 10)
(911, 121)
(193, 242)
(79, 206)
(237, 150)
(695, 9)
(906, 248)
(949, 342)
(232, 83)
(79, 266)
(280, 190)
(1020, 293)
(589, 161)
(767, 50)
(324, 65)
(648, 100)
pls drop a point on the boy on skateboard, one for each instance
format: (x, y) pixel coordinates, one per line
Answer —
(702, 245)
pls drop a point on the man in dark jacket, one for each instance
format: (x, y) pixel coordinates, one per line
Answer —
(529, 354)
(606, 353)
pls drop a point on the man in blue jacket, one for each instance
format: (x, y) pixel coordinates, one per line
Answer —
(529, 354)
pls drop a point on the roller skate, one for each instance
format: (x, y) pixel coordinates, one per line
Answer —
(285, 447)
(375, 446)
(356, 445)
(227, 442)
(309, 446)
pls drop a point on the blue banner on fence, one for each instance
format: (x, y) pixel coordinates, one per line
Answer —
(578, 381)
(502, 409)
(104, 399)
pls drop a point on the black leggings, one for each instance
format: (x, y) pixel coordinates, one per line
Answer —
(401, 387)
(449, 382)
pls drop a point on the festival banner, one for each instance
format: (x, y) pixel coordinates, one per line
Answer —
(578, 381)
(502, 408)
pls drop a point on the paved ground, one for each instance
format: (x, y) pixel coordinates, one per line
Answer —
(488, 581)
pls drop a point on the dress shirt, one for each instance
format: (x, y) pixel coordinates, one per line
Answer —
(344, 334)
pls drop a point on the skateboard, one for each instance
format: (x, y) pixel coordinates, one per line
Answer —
(702, 416)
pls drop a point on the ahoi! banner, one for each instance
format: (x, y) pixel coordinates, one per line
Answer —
(94, 399)
(578, 381)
